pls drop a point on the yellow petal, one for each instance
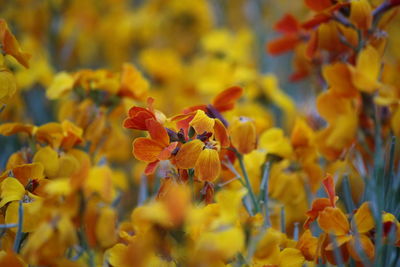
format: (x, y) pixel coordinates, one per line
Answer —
(8, 85)
(100, 182)
(106, 227)
(31, 215)
(274, 142)
(154, 213)
(202, 123)
(49, 159)
(68, 166)
(62, 83)
(11, 190)
(291, 257)
(363, 219)
(59, 187)
(224, 243)
(365, 74)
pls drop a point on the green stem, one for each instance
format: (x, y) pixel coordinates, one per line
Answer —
(256, 207)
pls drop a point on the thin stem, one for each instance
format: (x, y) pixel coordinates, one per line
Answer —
(18, 236)
(264, 193)
(10, 225)
(256, 207)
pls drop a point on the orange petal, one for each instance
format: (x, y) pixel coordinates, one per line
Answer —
(151, 167)
(308, 245)
(157, 132)
(11, 46)
(188, 154)
(329, 106)
(361, 14)
(10, 258)
(137, 118)
(364, 244)
(283, 44)
(338, 76)
(318, 5)
(8, 129)
(221, 133)
(133, 84)
(329, 186)
(316, 20)
(363, 219)
(317, 206)
(146, 149)
(302, 134)
(72, 134)
(28, 171)
(166, 153)
(287, 24)
(243, 135)
(208, 165)
(333, 220)
(226, 100)
(340, 240)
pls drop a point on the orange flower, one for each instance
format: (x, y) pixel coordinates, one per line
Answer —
(155, 148)
(243, 135)
(319, 204)
(291, 30)
(133, 84)
(308, 245)
(203, 157)
(137, 117)
(333, 221)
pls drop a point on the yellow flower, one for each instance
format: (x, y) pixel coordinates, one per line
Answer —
(8, 85)
(274, 142)
(62, 84)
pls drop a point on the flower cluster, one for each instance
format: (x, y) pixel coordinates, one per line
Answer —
(193, 154)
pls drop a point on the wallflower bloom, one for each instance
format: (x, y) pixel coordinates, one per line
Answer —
(354, 235)
(155, 148)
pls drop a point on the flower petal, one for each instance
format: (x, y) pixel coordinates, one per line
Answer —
(226, 100)
(208, 166)
(157, 131)
(146, 149)
(202, 123)
(333, 220)
(11, 190)
(188, 154)
(363, 219)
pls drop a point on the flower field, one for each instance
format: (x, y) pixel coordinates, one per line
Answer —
(199, 133)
